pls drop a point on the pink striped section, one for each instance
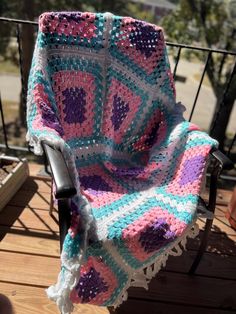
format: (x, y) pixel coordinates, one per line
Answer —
(131, 234)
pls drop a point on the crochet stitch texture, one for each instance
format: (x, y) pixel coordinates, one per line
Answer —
(101, 89)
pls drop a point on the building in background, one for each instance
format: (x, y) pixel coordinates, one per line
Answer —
(158, 8)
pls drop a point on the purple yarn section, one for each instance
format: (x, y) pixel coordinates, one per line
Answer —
(74, 16)
(156, 236)
(120, 110)
(144, 38)
(95, 184)
(90, 285)
(191, 170)
(152, 137)
(75, 102)
(50, 119)
(130, 172)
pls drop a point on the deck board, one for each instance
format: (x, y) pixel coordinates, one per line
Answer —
(28, 244)
(33, 300)
(29, 269)
(29, 262)
(141, 306)
(29, 218)
(190, 290)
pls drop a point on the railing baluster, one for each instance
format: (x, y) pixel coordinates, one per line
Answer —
(229, 81)
(177, 46)
(224, 96)
(177, 61)
(200, 85)
(3, 124)
(18, 35)
(231, 145)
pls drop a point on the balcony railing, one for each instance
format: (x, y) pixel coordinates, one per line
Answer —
(178, 48)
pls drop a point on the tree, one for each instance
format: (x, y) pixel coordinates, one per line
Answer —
(210, 23)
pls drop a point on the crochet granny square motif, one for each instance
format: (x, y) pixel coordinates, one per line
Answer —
(101, 89)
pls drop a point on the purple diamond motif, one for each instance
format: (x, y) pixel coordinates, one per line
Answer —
(191, 170)
(156, 236)
(95, 184)
(152, 137)
(120, 110)
(90, 285)
(129, 172)
(75, 102)
(144, 38)
(76, 17)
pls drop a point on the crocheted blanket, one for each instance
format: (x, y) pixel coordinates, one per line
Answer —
(101, 89)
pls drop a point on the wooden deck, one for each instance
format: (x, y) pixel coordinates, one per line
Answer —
(29, 262)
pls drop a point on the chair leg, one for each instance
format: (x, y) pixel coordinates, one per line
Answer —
(64, 219)
(211, 208)
(202, 247)
(51, 200)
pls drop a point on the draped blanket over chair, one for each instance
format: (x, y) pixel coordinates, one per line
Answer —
(101, 89)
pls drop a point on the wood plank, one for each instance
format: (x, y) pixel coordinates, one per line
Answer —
(34, 199)
(35, 168)
(220, 214)
(223, 196)
(219, 243)
(29, 219)
(189, 290)
(29, 232)
(220, 222)
(134, 306)
(31, 245)
(28, 269)
(167, 286)
(32, 300)
(212, 265)
(37, 184)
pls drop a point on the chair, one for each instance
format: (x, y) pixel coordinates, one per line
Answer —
(127, 167)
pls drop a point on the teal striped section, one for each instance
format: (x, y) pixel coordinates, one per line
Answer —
(94, 68)
(131, 260)
(99, 158)
(115, 230)
(96, 250)
(131, 64)
(72, 245)
(55, 39)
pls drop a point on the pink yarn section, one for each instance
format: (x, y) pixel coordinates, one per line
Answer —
(131, 234)
(70, 80)
(148, 64)
(102, 198)
(107, 275)
(129, 98)
(193, 186)
(84, 29)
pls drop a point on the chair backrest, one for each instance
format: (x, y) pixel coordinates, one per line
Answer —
(110, 77)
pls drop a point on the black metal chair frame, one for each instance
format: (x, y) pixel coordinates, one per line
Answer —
(65, 189)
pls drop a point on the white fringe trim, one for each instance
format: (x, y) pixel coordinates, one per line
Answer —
(60, 293)
(143, 276)
(68, 277)
(35, 142)
(70, 273)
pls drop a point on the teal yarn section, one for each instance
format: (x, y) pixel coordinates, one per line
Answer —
(72, 246)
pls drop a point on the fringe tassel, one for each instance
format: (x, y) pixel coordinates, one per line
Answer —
(69, 276)
(144, 276)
